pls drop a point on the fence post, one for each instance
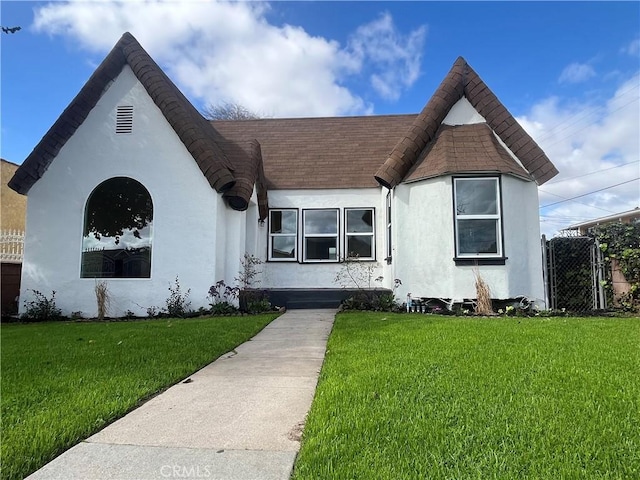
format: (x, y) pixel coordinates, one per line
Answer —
(545, 271)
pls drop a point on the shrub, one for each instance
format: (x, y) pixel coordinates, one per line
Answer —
(178, 301)
(41, 308)
(254, 301)
(221, 297)
(376, 300)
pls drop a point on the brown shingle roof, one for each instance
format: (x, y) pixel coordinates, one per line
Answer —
(304, 153)
(461, 81)
(462, 149)
(194, 131)
(246, 156)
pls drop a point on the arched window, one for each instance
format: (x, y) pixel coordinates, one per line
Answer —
(118, 221)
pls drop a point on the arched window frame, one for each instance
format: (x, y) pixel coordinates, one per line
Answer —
(126, 251)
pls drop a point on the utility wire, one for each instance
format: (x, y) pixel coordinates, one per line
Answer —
(580, 115)
(587, 125)
(581, 203)
(590, 193)
(553, 182)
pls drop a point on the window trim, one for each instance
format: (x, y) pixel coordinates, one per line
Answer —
(479, 258)
(360, 234)
(270, 236)
(304, 236)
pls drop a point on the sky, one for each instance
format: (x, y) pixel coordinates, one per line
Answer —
(568, 71)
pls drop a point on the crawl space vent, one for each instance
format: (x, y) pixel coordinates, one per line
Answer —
(124, 119)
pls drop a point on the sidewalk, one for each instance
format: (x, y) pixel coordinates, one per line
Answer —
(238, 418)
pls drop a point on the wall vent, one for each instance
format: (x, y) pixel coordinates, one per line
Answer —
(124, 119)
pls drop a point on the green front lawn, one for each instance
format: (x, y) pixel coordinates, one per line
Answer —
(63, 381)
(416, 396)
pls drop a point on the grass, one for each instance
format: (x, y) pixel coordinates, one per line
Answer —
(414, 396)
(61, 382)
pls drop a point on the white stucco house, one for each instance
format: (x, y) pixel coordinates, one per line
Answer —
(132, 185)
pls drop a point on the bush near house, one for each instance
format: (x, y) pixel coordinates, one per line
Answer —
(621, 242)
(417, 396)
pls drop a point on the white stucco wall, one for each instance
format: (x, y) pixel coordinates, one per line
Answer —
(424, 243)
(321, 275)
(186, 236)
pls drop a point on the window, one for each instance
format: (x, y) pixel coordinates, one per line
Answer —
(477, 217)
(116, 240)
(359, 238)
(283, 235)
(320, 230)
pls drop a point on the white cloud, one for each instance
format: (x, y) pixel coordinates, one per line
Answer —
(399, 55)
(633, 48)
(229, 52)
(576, 73)
(584, 138)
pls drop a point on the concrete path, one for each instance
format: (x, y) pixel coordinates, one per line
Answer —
(238, 418)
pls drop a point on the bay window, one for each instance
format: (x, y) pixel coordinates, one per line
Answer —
(478, 221)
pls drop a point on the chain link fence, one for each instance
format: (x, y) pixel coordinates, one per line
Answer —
(574, 274)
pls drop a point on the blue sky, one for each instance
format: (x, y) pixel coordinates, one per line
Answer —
(568, 71)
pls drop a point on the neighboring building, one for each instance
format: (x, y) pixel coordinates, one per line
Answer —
(583, 228)
(13, 209)
(13, 206)
(619, 283)
(132, 184)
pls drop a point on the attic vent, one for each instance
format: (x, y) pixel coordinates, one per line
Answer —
(124, 119)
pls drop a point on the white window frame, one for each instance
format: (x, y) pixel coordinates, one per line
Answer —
(497, 217)
(371, 234)
(270, 256)
(306, 235)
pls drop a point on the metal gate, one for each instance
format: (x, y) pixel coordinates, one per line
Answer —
(575, 274)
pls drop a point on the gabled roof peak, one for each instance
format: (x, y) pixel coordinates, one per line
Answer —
(461, 81)
(194, 131)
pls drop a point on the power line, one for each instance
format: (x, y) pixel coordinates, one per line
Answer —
(581, 114)
(590, 193)
(581, 203)
(590, 173)
(588, 124)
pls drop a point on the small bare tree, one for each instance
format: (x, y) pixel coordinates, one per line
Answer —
(103, 298)
(483, 294)
(228, 111)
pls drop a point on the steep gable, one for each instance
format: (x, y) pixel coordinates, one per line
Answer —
(464, 149)
(194, 131)
(462, 81)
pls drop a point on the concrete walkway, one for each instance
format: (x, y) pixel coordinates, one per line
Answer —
(238, 418)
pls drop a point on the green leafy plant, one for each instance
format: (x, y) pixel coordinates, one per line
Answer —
(221, 297)
(41, 308)
(620, 242)
(177, 303)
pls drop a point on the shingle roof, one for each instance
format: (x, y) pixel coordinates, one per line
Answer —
(194, 131)
(461, 81)
(463, 149)
(247, 158)
(320, 153)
